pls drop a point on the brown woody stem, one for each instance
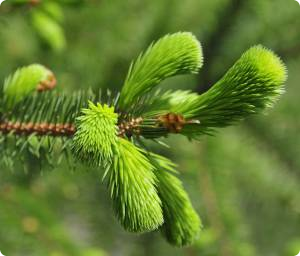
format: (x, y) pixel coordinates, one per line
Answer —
(57, 130)
(173, 123)
(60, 129)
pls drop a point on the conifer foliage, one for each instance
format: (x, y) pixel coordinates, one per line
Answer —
(107, 131)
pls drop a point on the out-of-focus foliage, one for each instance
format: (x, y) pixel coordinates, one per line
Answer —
(23, 82)
(49, 31)
(244, 181)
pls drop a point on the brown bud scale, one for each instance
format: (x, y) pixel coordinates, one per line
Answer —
(47, 84)
(130, 127)
(174, 123)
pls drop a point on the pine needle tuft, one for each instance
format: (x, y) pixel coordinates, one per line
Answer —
(96, 134)
(182, 224)
(175, 54)
(253, 84)
(132, 186)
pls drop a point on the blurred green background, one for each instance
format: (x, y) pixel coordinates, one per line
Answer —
(244, 182)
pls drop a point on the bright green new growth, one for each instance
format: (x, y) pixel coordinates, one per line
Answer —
(20, 84)
(132, 186)
(175, 54)
(182, 224)
(170, 101)
(96, 134)
(253, 84)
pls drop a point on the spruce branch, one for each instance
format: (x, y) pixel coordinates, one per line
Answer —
(105, 129)
(46, 118)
